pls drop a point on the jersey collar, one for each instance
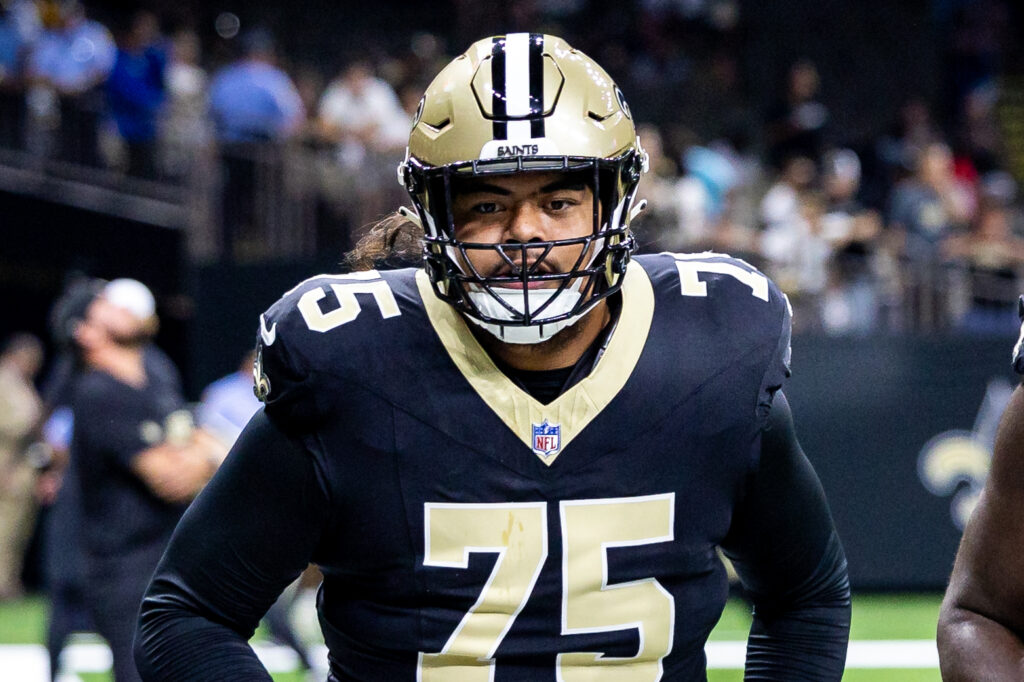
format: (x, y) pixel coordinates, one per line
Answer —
(548, 429)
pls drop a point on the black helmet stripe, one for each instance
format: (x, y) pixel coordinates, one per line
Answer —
(517, 79)
(536, 85)
(498, 88)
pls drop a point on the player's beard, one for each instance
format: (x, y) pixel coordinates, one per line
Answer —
(130, 340)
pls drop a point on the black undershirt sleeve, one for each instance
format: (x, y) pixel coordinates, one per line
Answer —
(784, 547)
(244, 539)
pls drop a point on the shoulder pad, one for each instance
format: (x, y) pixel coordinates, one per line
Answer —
(729, 297)
(727, 282)
(314, 327)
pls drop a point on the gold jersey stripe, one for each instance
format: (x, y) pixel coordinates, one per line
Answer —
(577, 407)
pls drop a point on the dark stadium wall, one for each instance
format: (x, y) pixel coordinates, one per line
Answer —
(44, 242)
(899, 430)
(228, 300)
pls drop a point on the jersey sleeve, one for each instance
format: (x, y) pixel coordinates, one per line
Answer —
(784, 546)
(777, 368)
(283, 375)
(249, 534)
(316, 341)
(734, 308)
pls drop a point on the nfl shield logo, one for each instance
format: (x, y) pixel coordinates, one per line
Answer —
(547, 439)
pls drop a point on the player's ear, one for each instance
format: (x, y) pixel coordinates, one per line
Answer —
(78, 329)
(83, 335)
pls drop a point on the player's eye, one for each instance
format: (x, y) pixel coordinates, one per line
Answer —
(561, 204)
(485, 207)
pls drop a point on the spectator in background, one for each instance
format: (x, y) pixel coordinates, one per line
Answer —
(362, 117)
(64, 556)
(251, 99)
(361, 113)
(926, 209)
(852, 300)
(797, 125)
(58, 485)
(675, 210)
(138, 460)
(185, 126)
(895, 152)
(781, 203)
(795, 251)
(67, 67)
(136, 91)
(992, 256)
(20, 412)
(228, 403)
(982, 135)
(688, 212)
(715, 175)
(253, 105)
(19, 27)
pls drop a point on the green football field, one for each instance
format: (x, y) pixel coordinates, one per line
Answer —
(895, 630)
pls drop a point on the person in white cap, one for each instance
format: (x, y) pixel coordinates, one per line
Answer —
(139, 460)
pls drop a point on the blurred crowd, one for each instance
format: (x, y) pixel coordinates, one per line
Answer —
(100, 463)
(915, 228)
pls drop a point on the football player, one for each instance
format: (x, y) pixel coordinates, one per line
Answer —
(515, 462)
(981, 624)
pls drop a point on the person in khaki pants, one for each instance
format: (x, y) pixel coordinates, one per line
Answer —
(20, 410)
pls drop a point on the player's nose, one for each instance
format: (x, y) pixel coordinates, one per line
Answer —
(525, 223)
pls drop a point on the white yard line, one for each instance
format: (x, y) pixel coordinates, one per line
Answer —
(28, 662)
(894, 653)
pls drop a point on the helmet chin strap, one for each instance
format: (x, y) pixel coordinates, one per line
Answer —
(537, 332)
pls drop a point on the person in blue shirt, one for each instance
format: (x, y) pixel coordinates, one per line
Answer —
(19, 27)
(228, 403)
(251, 99)
(136, 91)
(254, 107)
(72, 59)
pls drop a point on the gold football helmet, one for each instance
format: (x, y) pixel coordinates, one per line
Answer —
(518, 103)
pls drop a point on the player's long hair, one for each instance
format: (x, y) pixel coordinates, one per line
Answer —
(392, 242)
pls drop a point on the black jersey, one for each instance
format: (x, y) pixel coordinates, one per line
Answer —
(476, 531)
(114, 422)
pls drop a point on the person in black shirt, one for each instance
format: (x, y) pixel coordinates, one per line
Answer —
(137, 460)
(518, 461)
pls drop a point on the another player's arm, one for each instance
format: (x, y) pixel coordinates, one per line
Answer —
(248, 535)
(176, 473)
(173, 469)
(784, 546)
(981, 624)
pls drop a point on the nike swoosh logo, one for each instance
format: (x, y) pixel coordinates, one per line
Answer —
(268, 335)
